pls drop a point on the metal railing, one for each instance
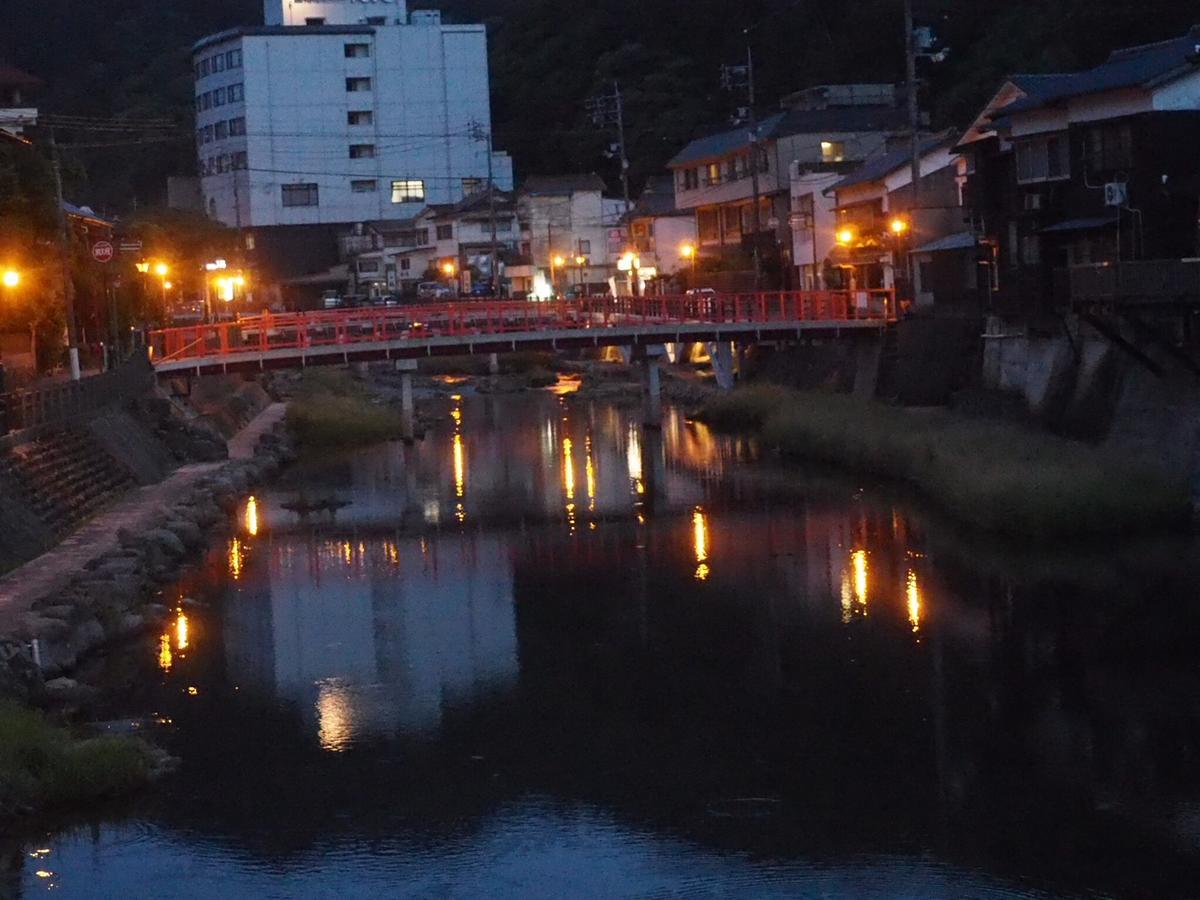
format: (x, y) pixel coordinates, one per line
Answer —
(62, 401)
(476, 319)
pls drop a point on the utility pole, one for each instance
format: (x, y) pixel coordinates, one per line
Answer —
(608, 111)
(64, 248)
(754, 150)
(914, 125)
(479, 134)
(731, 79)
(620, 109)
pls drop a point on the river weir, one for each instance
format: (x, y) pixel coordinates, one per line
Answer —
(547, 651)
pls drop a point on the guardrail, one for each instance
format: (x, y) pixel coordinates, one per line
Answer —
(63, 401)
(474, 319)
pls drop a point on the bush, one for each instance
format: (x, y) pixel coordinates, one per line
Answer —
(993, 475)
(44, 767)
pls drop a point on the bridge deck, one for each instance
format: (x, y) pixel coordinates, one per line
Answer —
(357, 335)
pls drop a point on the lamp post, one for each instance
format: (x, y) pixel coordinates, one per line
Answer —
(557, 261)
(580, 262)
(688, 252)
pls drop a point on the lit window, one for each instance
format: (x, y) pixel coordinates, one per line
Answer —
(357, 51)
(410, 190)
(300, 194)
(833, 151)
(360, 117)
(363, 186)
(362, 151)
(357, 85)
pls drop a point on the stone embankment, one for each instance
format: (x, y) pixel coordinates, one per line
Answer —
(111, 596)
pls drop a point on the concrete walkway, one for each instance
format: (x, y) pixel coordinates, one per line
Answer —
(54, 570)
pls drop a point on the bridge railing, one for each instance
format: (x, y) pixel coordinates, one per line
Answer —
(467, 319)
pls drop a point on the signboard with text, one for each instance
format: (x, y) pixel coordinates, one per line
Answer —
(102, 251)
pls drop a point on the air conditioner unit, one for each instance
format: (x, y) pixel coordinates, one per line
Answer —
(1116, 193)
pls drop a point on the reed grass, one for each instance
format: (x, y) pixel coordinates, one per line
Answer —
(993, 475)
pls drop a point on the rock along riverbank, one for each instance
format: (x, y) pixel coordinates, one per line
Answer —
(85, 595)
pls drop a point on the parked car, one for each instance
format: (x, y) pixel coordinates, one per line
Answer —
(433, 290)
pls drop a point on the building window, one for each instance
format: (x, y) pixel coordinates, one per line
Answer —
(504, 225)
(357, 51)
(833, 152)
(220, 131)
(376, 20)
(233, 59)
(1031, 249)
(218, 97)
(471, 186)
(237, 93)
(585, 248)
(708, 225)
(362, 151)
(368, 266)
(421, 236)
(405, 264)
(314, 21)
(712, 173)
(205, 67)
(360, 117)
(218, 63)
(733, 216)
(445, 232)
(1043, 159)
(411, 190)
(1108, 148)
(206, 100)
(300, 194)
(239, 160)
(691, 179)
(208, 134)
(357, 85)
(364, 186)
(237, 127)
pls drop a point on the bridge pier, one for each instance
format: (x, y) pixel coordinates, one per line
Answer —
(406, 368)
(652, 386)
(868, 357)
(721, 354)
(493, 363)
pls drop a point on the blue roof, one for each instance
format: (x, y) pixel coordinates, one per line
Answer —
(833, 120)
(885, 164)
(1143, 66)
(723, 143)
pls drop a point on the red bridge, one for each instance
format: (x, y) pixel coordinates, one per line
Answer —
(334, 337)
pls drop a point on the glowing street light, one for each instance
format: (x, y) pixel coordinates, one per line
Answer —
(161, 269)
(448, 269)
(845, 236)
(898, 226)
(11, 278)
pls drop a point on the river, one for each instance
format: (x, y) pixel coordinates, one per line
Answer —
(545, 653)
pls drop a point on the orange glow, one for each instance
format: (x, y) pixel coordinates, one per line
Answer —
(236, 560)
(861, 575)
(700, 543)
(252, 517)
(845, 235)
(165, 657)
(449, 269)
(11, 278)
(912, 594)
(898, 226)
(162, 269)
(687, 251)
(181, 631)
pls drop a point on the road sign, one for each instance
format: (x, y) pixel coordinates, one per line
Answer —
(131, 246)
(102, 251)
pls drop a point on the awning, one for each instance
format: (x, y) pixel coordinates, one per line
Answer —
(1088, 224)
(963, 240)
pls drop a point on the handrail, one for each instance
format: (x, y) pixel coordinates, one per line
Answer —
(482, 318)
(55, 403)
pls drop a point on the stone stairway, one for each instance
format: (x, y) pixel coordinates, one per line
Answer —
(65, 477)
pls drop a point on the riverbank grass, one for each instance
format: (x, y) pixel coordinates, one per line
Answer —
(330, 408)
(993, 475)
(43, 767)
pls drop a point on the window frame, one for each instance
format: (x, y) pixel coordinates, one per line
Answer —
(351, 51)
(312, 194)
(409, 190)
(364, 185)
(362, 151)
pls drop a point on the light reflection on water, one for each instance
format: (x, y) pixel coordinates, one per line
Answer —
(672, 688)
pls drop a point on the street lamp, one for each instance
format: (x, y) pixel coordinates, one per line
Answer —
(10, 279)
(557, 261)
(161, 269)
(688, 252)
(845, 236)
(898, 226)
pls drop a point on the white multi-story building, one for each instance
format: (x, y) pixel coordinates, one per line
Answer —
(342, 111)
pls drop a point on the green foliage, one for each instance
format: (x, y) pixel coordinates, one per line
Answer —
(332, 409)
(44, 767)
(992, 475)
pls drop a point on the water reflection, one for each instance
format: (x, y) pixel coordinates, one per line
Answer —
(695, 667)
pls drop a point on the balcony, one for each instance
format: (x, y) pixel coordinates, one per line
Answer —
(1167, 282)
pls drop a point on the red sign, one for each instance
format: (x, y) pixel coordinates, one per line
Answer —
(102, 251)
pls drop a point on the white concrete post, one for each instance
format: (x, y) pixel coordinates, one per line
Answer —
(493, 363)
(721, 354)
(652, 386)
(406, 368)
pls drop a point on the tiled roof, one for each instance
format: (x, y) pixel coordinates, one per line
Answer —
(1143, 66)
(558, 185)
(885, 164)
(723, 143)
(657, 199)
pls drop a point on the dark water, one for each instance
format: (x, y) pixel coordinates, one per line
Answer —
(545, 654)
